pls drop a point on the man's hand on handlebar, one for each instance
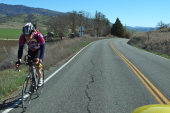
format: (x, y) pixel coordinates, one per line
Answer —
(37, 60)
(18, 63)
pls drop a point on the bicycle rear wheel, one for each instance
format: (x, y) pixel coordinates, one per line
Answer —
(40, 88)
(27, 92)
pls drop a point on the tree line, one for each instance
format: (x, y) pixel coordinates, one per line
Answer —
(97, 26)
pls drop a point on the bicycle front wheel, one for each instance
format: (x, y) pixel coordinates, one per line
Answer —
(26, 93)
(40, 88)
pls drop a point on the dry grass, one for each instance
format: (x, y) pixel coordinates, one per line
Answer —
(154, 41)
(8, 50)
(57, 51)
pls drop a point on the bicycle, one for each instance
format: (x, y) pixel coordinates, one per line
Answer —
(31, 83)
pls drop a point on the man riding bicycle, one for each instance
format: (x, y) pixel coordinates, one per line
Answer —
(36, 47)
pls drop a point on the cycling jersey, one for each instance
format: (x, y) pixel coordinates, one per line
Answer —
(35, 44)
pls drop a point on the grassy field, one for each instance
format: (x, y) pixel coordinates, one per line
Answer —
(13, 33)
(10, 33)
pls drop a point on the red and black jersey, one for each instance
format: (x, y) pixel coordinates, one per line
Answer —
(36, 43)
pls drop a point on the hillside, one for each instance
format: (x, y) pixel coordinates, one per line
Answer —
(155, 41)
(17, 21)
(9, 10)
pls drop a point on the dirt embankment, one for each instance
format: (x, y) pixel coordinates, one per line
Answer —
(155, 41)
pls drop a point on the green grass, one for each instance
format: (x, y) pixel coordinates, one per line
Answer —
(162, 55)
(10, 33)
(156, 53)
(13, 33)
(10, 81)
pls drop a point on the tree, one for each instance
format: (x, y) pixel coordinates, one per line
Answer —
(58, 24)
(161, 25)
(117, 29)
(105, 27)
(97, 22)
(73, 21)
(101, 24)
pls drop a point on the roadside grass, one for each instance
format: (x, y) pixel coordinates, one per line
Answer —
(10, 80)
(162, 55)
(159, 54)
(56, 52)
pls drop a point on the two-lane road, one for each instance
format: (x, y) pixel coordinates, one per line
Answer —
(108, 76)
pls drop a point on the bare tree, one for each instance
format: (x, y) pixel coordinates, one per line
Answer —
(58, 25)
(73, 21)
(162, 25)
(101, 24)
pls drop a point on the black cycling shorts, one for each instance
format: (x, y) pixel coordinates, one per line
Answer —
(34, 54)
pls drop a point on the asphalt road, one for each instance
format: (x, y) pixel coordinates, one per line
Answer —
(108, 76)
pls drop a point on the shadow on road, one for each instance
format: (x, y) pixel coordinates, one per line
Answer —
(9, 102)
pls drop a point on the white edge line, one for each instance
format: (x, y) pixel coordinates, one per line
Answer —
(19, 101)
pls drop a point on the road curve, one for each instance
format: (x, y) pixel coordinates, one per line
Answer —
(100, 80)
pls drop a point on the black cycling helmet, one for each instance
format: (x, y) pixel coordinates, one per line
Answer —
(28, 29)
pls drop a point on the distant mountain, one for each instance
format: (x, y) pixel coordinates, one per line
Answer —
(145, 29)
(9, 10)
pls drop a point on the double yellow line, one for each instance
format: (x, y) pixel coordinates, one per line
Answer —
(154, 91)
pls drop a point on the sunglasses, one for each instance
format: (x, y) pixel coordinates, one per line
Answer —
(27, 35)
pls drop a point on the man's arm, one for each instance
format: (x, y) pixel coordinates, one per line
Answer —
(20, 52)
(42, 51)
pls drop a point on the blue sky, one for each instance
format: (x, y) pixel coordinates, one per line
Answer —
(146, 13)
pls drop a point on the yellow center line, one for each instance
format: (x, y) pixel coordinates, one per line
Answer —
(154, 91)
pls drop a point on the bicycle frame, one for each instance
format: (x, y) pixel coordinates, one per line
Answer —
(32, 70)
(31, 83)
(33, 73)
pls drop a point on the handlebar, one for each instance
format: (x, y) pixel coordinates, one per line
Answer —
(29, 62)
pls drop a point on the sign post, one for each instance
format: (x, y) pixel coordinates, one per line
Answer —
(81, 31)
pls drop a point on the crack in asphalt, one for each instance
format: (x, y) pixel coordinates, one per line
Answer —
(87, 88)
(90, 82)
(87, 94)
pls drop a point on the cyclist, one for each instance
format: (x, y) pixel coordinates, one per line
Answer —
(36, 47)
